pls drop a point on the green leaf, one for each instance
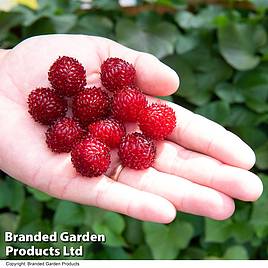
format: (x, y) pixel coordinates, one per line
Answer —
(133, 232)
(187, 79)
(259, 217)
(254, 87)
(157, 39)
(218, 111)
(69, 214)
(236, 253)
(241, 116)
(165, 241)
(262, 156)
(33, 227)
(12, 194)
(255, 137)
(242, 232)
(186, 43)
(237, 45)
(8, 222)
(229, 93)
(217, 231)
(63, 23)
(142, 253)
(105, 4)
(40, 196)
(30, 211)
(112, 225)
(9, 20)
(93, 25)
(205, 19)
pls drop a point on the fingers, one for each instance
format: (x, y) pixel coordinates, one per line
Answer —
(153, 76)
(108, 194)
(204, 170)
(183, 194)
(200, 134)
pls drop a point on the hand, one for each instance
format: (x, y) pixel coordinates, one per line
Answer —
(198, 170)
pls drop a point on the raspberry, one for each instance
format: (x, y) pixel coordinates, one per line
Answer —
(91, 157)
(157, 121)
(63, 135)
(109, 131)
(137, 151)
(45, 106)
(67, 76)
(116, 73)
(91, 105)
(127, 103)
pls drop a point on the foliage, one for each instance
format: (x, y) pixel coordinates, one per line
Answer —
(221, 56)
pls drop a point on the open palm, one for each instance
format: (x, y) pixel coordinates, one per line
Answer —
(199, 169)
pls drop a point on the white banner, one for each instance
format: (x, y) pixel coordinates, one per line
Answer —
(135, 264)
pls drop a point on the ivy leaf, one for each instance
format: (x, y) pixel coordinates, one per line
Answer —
(8, 222)
(93, 25)
(69, 213)
(236, 253)
(255, 137)
(262, 156)
(217, 231)
(237, 45)
(12, 194)
(186, 43)
(229, 93)
(30, 211)
(254, 87)
(259, 219)
(157, 39)
(205, 19)
(112, 225)
(63, 23)
(241, 116)
(38, 195)
(165, 241)
(187, 78)
(218, 111)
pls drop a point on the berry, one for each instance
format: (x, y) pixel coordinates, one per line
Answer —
(117, 73)
(127, 103)
(91, 157)
(137, 151)
(157, 121)
(45, 106)
(109, 131)
(67, 76)
(63, 135)
(91, 105)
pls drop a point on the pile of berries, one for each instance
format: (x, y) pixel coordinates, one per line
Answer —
(98, 116)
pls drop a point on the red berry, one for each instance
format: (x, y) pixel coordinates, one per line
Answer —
(45, 106)
(109, 131)
(127, 104)
(157, 121)
(91, 105)
(137, 151)
(67, 76)
(91, 157)
(63, 135)
(117, 73)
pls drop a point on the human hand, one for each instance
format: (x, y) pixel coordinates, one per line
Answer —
(200, 169)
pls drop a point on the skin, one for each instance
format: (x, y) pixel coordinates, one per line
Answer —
(200, 169)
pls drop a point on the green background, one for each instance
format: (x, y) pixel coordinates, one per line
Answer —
(221, 55)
